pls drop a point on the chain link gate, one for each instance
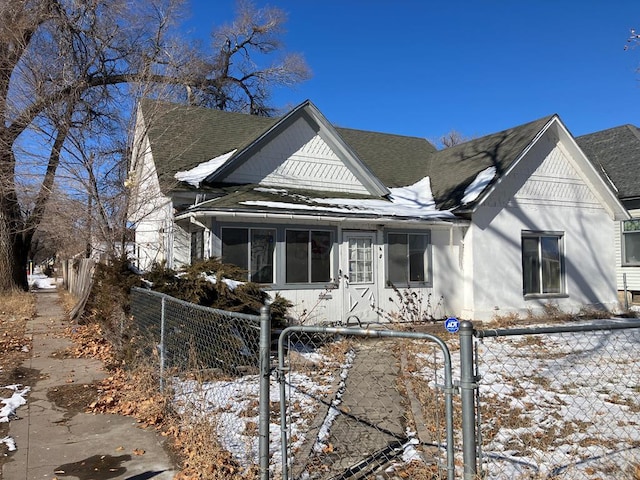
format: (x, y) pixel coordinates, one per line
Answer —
(349, 406)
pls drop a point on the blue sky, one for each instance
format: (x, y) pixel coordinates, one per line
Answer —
(423, 68)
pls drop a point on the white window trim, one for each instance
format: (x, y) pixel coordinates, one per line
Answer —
(623, 233)
(563, 285)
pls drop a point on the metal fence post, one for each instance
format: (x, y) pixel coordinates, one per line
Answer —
(265, 373)
(467, 393)
(161, 345)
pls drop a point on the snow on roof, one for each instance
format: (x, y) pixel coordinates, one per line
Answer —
(198, 173)
(414, 201)
(475, 188)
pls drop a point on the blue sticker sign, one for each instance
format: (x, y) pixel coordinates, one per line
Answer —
(452, 325)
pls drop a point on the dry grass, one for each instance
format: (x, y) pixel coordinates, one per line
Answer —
(17, 308)
(134, 392)
(551, 313)
(18, 304)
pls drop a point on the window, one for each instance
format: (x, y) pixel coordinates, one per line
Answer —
(250, 249)
(631, 242)
(542, 264)
(308, 256)
(361, 259)
(408, 258)
(197, 245)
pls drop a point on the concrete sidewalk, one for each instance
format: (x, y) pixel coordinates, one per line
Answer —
(58, 442)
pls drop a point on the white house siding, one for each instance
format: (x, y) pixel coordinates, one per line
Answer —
(150, 211)
(447, 294)
(181, 248)
(543, 193)
(325, 303)
(298, 158)
(632, 274)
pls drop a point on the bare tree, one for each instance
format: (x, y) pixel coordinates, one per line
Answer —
(451, 139)
(70, 71)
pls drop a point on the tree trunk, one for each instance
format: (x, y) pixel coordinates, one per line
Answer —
(13, 255)
(14, 240)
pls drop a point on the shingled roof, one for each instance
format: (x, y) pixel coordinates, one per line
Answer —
(182, 137)
(397, 160)
(453, 169)
(617, 151)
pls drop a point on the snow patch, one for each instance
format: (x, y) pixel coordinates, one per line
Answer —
(415, 201)
(475, 188)
(12, 403)
(40, 281)
(197, 174)
(9, 442)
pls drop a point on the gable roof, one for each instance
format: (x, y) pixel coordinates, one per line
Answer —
(183, 137)
(453, 169)
(617, 152)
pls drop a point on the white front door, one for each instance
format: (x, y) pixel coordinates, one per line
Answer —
(358, 267)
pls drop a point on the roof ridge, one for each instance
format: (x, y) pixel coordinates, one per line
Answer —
(378, 133)
(504, 132)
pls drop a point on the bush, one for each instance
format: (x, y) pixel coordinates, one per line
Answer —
(209, 283)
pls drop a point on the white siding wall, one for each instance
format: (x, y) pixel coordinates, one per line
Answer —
(181, 248)
(318, 305)
(299, 158)
(150, 211)
(632, 273)
(540, 195)
(442, 300)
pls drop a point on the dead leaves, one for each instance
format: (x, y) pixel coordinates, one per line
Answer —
(88, 341)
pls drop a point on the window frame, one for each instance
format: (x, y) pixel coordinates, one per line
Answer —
(427, 259)
(309, 252)
(539, 235)
(624, 234)
(250, 259)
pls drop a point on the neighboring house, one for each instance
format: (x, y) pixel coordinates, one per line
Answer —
(333, 218)
(617, 152)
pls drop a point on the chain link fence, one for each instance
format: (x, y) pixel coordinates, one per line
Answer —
(545, 402)
(191, 337)
(218, 365)
(559, 402)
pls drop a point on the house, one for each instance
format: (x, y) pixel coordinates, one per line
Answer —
(339, 221)
(617, 152)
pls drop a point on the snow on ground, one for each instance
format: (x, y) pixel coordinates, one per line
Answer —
(555, 405)
(233, 407)
(565, 404)
(40, 281)
(11, 404)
